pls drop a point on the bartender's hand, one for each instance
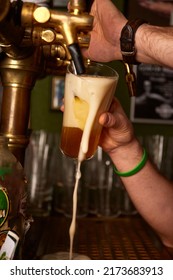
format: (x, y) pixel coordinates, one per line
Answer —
(105, 36)
(117, 129)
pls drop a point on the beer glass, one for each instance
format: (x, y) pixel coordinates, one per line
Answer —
(86, 97)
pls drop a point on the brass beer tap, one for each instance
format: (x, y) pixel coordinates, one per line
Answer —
(35, 41)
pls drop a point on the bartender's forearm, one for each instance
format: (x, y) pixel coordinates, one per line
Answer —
(154, 45)
(150, 192)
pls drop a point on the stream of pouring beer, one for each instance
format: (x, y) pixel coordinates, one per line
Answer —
(73, 222)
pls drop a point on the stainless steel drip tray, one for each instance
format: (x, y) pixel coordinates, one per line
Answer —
(125, 238)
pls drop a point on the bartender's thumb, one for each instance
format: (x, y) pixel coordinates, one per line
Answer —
(107, 120)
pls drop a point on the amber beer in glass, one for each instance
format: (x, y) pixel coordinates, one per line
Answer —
(86, 97)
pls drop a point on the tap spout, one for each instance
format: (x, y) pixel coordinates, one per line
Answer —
(69, 25)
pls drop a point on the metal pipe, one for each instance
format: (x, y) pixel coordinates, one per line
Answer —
(18, 78)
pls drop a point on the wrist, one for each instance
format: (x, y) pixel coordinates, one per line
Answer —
(135, 169)
(126, 157)
(143, 45)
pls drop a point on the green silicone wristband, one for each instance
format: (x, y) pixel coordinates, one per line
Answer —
(134, 170)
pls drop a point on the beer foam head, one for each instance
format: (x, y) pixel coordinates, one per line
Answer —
(85, 94)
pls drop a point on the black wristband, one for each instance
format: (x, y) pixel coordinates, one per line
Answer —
(127, 40)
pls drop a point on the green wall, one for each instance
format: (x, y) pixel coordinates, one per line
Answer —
(42, 117)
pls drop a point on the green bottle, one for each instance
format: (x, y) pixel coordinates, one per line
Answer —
(13, 218)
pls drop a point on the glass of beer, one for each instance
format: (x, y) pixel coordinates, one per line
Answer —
(86, 97)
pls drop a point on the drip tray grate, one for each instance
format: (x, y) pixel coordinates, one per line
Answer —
(100, 239)
(115, 239)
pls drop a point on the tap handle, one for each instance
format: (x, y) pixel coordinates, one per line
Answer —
(76, 55)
